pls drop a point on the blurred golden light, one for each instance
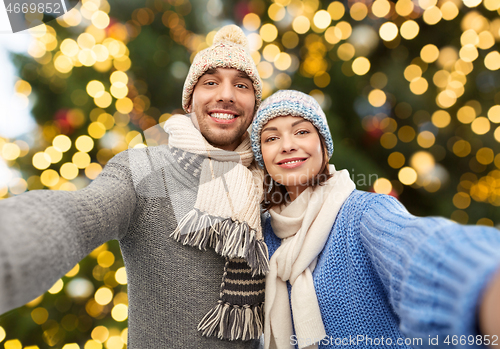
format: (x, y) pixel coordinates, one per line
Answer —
(388, 31)
(10, 151)
(282, 81)
(322, 19)
(103, 99)
(425, 4)
(124, 105)
(469, 37)
(412, 72)
(333, 35)
(119, 90)
(406, 134)
(426, 139)
(290, 39)
(94, 87)
(446, 99)
(441, 78)
(74, 271)
(388, 140)
(441, 118)
(361, 66)
(491, 5)
(118, 76)
(121, 276)
(419, 86)
(114, 342)
(93, 170)
(106, 259)
(345, 28)
(84, 143)
(496, 134)
(101, 53)
(107, 120)
(13, 344)
(276, 12)
(407, 175)
(71, 346)
(2, 334)
(404, 7)
(472, 3)
(86, 41)
(37, 49)
(301, 24)
(87, 57)
(486, 40)
(254, 42)
(23, 87)
(54, 154)
(449, 10)
(432, 15)
(96, 130)
(100, 334)
(466, 114)
(480, 125)
(468, 53)
(358, 11)
(119, 312)
(494, 114)
(18, 186)
(429, 53)
(41, 160)
(251, 21)
(270, 52)
(485, 156)
(492, 60)
(57, 287)
(69, 171)
(336, 10)
(381, 8)
(268, 32)
(62, 143)
(377, 97)
(346, 51)
(461, 200)
(423, 162)
(63, 64)
(69, 47)
(122, 63)
(100, 19)
(322, 79)
(382, 186)
(283, 61)
(103, 295)
(265, 69)
(461, 148)
(396, 160)
(447, 55)
(378, 80)
(409, 29)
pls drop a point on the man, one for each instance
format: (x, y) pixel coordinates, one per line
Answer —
(201, 189)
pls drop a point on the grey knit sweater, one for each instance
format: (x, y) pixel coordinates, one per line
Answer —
(137, 199)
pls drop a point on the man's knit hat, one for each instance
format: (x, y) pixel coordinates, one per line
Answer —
(294, 103)
(229, 50)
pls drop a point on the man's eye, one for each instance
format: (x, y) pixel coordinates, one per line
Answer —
(241, 86)
(210, 83)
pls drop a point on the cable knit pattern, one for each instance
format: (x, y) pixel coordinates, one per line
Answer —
(386, 273)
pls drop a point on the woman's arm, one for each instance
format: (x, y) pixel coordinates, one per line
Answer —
(44, 233)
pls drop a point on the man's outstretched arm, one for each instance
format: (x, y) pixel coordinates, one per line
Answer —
(44, 233)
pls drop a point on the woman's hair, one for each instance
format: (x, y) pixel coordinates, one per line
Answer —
(278, 194)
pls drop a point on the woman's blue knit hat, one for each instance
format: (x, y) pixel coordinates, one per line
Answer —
(294, 103)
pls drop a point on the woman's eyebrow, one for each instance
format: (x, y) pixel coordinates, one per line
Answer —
(270, 129)
(298, 122)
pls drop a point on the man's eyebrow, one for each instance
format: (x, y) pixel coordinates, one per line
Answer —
(211, 71)
(242, 74)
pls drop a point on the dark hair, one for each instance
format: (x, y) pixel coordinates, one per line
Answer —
(278, 194)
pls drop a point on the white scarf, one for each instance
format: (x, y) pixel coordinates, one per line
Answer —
(304, 227)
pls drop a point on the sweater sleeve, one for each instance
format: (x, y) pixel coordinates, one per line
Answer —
(434, 270)
(44, 233)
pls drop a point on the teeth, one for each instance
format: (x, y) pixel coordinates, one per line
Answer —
(292, 162)
(223, 116)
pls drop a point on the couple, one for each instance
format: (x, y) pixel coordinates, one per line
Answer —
(346, 267)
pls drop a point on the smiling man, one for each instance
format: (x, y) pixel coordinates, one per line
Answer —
(186, 215)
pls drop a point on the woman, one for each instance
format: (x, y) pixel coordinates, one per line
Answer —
(355, 268)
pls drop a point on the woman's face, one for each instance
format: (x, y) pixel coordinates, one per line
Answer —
(291, 149)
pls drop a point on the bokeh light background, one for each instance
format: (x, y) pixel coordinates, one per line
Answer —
(411, 90)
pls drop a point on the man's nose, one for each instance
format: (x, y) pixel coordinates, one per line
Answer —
(226, 92)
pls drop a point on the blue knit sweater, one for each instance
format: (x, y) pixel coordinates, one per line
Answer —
(386, 278)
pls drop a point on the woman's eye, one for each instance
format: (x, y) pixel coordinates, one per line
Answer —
(303, 132)
(270, 139)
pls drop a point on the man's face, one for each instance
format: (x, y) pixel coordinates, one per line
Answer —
(223, 101)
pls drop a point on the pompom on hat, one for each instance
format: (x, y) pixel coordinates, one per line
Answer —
(229, 50)
(294, 103)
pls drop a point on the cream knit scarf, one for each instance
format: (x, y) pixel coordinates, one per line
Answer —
(226, 217)
(304, 226)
